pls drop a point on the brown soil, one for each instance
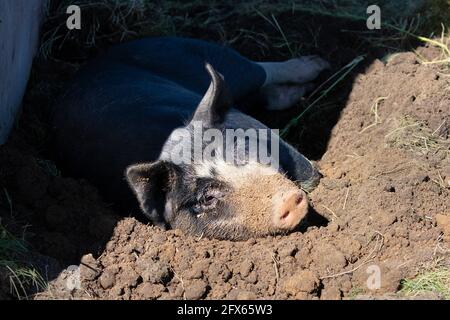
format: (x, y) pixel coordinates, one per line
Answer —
(384, 188)
(384, 198)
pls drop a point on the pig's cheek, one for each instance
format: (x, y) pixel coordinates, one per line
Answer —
(252, 215)
(187, 223)
(223, 222)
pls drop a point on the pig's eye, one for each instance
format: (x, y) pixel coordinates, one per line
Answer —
(207, 201)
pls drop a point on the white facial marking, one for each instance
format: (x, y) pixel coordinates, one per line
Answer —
(232, 174)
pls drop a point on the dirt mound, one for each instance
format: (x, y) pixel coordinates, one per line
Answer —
(386, 179)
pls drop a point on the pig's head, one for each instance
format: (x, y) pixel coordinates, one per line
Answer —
(215, 198)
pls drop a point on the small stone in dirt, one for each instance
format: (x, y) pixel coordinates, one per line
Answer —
(107, 279)
(110, 245)
(89, 267)
(443, 222)
(303, 281)
(245, 268)
(176, 292)
(240, 294)
(196, 290)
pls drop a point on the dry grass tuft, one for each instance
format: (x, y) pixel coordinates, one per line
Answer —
(436, 281)
(415, 135)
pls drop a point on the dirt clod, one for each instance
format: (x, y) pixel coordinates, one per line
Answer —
(107, 279)
(89, 267)
(196, 290)
(304, 281)
(331, 293)
(150, 291)
(155, 271)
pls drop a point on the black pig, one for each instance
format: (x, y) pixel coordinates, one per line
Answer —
(139, 109)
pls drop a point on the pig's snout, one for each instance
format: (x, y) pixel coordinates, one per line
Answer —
(289, 209)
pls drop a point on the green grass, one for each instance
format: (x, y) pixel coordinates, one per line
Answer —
(435, 281)
(22, 277)
(328, 86)
(355, 292)
(9, 244)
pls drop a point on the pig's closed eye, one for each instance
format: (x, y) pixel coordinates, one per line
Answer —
(207, 201)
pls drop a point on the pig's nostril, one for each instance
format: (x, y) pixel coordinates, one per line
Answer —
(290, 210)
(285, 215)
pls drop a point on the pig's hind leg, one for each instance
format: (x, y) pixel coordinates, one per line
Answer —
(296, 71)
(288, 81)
(182, 60)
(283, 96)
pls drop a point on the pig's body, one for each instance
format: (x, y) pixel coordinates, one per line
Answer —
(123, 106)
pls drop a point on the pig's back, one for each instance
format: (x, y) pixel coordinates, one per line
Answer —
(115, 114)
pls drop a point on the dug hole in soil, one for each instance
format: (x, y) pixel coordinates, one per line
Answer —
(385, 195)
(381, 194)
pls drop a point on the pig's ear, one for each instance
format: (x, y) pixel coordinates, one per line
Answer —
(150, 183)
(216, 102)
